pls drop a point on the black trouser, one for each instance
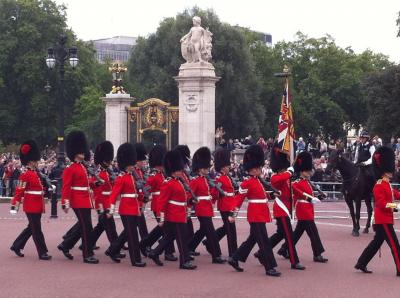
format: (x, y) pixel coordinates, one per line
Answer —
(142, 225)
(206, 229)
(382, 232)
(75, 228)
(154, 235)
(85, 232)
(33, 229)
(190, 229)
(106, 224)
(312, 232)
(228, 229)
(284, 231)
(259, 235)
(172, 231)
(130, 234)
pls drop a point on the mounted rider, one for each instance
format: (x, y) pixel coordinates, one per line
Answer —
(363, 157)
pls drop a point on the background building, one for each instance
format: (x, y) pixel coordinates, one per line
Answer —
(115, 48)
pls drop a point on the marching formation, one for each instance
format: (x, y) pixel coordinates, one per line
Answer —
(179, 188)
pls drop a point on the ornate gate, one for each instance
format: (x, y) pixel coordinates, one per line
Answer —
(156, 119)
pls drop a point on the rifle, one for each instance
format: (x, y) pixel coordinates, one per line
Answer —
(234, 181)
(112, 175)
(188, 189)
(318, 189)
(212, 183)
(93, 173)
(141, 186)
(268, 186)
(46, 179)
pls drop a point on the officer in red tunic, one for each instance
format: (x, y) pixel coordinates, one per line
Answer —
(140, 176)
(280, 180)
(76, 194)
(227, 200)
(173, 213)
(257, 214)
(129, 207)
(384, 166)
(103, 156)
(304, 200)
(154, 182)
(205, 195)
(30, 192)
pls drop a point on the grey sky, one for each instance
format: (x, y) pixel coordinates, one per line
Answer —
(356, 23)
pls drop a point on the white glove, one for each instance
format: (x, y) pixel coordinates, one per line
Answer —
(52, 188)
(291, 170)
(315, 200)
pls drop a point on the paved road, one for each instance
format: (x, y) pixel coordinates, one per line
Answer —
(29, 277)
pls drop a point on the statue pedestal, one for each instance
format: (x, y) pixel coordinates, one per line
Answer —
(196, 83)
(117, 118)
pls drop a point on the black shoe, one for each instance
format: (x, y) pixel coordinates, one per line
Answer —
(257, 254)
(65, 251)
(218, 260)
(144, 250)
(112, 257)
(320, 259)
(194, 253)
(125, 247)
(365, 269)
(170, 257)
(284, 253)
(121, 255)
(139, 264)
(155, 259)
(298, 266)
(17, 251)
(45, 257)
(188, 266)
(273, 272)
(235, 264)
(191, 258)
(91, 260)
(205, 243)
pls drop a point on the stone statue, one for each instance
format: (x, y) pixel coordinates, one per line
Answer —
(196, 45)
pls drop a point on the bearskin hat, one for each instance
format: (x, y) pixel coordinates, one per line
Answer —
(303, 162)
(173, 162)
(126, 156)
(278, 160)
(104, 152)
(76, 144)
(222, 158)
(383, 161)
(185, 152)
(29, 151)
(156, 156)
(140, 151)
(201, 159)
(253, 157)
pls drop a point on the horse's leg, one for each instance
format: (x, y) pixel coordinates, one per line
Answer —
(368, 202)
(358, 213)
(349, 203)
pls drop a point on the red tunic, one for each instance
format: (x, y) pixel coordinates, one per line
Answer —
(173, 201)
(201, 190)
(257, 208)
(76, 186)
(304, 209)
(281, 181)
(155, 181)
(383, 194)
(125, 188)
(102, 192)
(30, 191)
(226, 203)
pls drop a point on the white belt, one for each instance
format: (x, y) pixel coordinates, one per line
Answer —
(129, 195)
(303, 201)
(258, 201)
(80, 188)
(229, 194)
(106, 193)
(34, 192)
(156, 193)
(183, 204)
(206, 198)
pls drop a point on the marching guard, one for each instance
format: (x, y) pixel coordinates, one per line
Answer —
(384, 167)
(173, 212)
(30, 192)
(201, 164)
(76, 194)
(155, 180)
(304, 200)
(129, 207)
(257, 214)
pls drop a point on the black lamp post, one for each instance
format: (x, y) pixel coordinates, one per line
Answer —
(58, 56)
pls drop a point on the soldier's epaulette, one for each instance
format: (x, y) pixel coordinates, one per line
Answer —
(69, 165)
(167, 179)
(153, 173)
(379, 181)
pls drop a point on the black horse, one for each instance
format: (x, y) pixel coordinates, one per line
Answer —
(357, 186)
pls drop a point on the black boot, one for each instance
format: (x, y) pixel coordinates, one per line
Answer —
(235, 264)
(298, 266)
(170, 257)
(218, 260)
(91, 260)
(194, 253)
(112, 257)
(45, 257)
(17, 251)
(139, 264)
(155, 259)
(273, 272)
(284, 253)
(65, 251)
(320, 259)
(188, 266)
(364, 269)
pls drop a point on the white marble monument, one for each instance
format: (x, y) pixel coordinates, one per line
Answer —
(196, 83)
